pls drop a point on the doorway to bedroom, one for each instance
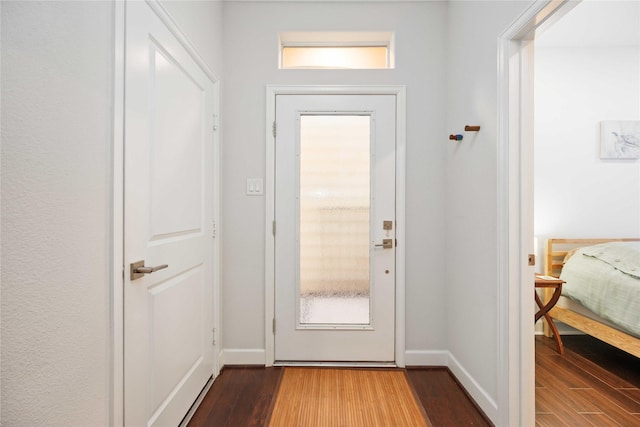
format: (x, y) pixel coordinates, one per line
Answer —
(586, 79)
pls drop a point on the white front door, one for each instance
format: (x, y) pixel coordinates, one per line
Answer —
(168, 220)
(335, 228)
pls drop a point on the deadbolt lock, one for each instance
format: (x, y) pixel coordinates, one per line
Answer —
(387, 225)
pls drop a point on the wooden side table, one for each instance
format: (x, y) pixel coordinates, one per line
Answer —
(556, 285)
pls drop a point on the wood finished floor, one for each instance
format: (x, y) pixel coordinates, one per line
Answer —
(593, 384)
(242, 396)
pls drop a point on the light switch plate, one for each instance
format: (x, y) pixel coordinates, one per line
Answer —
(255, 187)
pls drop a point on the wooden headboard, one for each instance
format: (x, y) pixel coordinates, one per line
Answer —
(556, 249)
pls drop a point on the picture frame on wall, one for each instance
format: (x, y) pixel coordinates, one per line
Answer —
(620, 139)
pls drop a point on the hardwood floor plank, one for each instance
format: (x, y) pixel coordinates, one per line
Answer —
(555, 403)
(599, 420)
(600, 401)
(541, 405)
(254, 411)
(613, 360)
(444, 401)
(632, 393)
(549, 420)
(598, 371)
(239, 397)
(574, 377)
(578, 389)
(243, 396)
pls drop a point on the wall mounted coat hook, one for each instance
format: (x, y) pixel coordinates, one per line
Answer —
(457, 137)
(468, 128)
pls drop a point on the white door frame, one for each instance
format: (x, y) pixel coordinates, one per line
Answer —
(116, 393)
(516, 351)
(271, 92)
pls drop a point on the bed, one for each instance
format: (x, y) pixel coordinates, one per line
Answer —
(575, 314)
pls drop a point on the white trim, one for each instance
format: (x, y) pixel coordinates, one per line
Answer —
(400, 93)
(477, 393)
(217, 246)
(426, 358)
(516, 358)
(326, 1)
(243, 356)
(173, 27)
(337, 364)
(444, 358)
(401, 227)
(221, 361)
(117, 221)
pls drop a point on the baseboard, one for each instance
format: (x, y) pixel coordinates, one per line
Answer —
(477, 393)
(240, 356)
(426, 358)
(236, 356)
(221, 362)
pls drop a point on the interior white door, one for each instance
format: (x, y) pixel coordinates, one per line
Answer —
(168, 210)
(335, 228)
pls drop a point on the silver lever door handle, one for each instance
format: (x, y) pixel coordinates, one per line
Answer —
(386, 244)
(138, 269)
(147, 270)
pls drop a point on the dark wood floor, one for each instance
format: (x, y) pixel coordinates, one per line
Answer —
(243, 397)
(592, 384)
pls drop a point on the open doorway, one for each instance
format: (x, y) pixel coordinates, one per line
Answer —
(516, 202)
(586, 92)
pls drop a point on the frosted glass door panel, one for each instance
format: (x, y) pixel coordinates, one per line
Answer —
(335, 159)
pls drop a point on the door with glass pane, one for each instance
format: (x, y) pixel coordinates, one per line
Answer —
(335, 228)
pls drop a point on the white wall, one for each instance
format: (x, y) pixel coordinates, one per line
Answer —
(251, 52)
(471, 194)
(201, 21)
(577, 194)
(57, 70)
(56, 136)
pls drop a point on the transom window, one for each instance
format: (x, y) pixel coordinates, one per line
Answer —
(336, 50)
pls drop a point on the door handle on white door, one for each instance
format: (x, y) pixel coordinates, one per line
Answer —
(138, 269)
(386, 244)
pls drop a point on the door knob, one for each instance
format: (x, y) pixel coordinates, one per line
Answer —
(138, 270)
(386, 244)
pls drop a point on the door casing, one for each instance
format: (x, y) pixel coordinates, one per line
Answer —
(516, 353)
(272, 92)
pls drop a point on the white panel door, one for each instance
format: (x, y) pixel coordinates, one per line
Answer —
(335, 228)
(168, 219)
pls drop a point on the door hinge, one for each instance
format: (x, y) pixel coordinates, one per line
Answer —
(213, 341)
(214, 230)
(273, 227)
(215, 122)
(531, 259)
(274, 326)
(273, 129)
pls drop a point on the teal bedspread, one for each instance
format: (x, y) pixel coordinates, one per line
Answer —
(605, 279)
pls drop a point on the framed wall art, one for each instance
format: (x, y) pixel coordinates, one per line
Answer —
(620, 139)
